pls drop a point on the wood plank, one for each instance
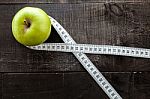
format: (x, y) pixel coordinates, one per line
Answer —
(68, 1)
(141, 85)
(76, 85)
(82, 86)
(86, 23)
(1, 82)
(33, 86)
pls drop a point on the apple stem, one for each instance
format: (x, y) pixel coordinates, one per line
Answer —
(27, 23)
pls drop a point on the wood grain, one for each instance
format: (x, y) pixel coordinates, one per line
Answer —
(86, 23)
(33, 86)
(1, 82)
(142, 86)
(28, 74)
(73, 85)
(61, 86)
(69, 1)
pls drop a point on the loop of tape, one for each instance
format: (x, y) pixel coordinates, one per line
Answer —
(79, 49)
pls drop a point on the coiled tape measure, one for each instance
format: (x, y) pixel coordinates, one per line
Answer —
(79, 49)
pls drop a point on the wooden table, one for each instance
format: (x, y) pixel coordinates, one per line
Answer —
(29, 74)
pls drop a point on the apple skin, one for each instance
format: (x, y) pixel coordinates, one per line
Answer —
(31, 26)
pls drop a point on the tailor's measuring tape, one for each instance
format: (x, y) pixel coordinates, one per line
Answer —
(83, 59)
(94, 49)
(79, 49)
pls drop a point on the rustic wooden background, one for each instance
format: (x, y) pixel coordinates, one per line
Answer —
(28, 74)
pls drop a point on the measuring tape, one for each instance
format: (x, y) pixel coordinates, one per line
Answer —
(79, 49)
(94, 49)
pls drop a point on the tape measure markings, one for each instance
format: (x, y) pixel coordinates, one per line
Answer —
(79, 49)
(85, 61)
(94, 49)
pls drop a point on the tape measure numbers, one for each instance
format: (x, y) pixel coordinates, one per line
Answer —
(87, 64)
(94, 49)
(79, 49)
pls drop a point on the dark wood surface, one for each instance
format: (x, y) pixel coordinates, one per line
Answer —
(62, 86)
(28, 74)
(1, 83)
(69, 1)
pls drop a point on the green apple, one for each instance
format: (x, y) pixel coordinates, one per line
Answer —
(31, 26)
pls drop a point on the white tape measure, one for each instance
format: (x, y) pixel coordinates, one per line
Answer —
(94, 49)
(79, 49)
